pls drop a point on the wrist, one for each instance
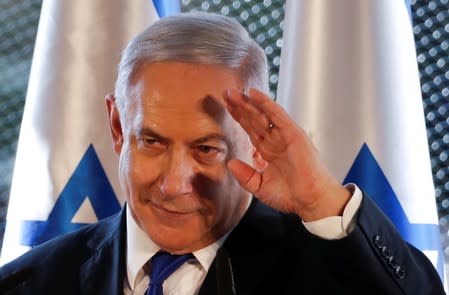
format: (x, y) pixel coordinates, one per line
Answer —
(330, 202)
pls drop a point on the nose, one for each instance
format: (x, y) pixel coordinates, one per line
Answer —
(178, 175)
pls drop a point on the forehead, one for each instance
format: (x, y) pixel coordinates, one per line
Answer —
(183, 84)
(183, 87)
(182, 93)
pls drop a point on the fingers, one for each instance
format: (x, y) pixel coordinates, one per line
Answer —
(249, 116)
(256, 113)
(248, 177)
(274, 111)
(259, 104)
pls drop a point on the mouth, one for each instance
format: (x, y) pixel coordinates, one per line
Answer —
(172, 214)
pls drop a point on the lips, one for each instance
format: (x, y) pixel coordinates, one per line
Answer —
(178, 212)
(173, 213)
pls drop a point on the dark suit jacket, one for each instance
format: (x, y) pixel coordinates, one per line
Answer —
(267, 253)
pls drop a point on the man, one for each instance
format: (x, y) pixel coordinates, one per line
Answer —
(197, 139)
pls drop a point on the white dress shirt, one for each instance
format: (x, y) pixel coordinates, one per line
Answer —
(188, 278)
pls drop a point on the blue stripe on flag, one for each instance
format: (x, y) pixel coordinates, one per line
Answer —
(368, 175)
(88, 181)
(409, 10)
(167, 7)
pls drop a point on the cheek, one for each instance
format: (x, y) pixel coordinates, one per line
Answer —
(229, 194)
(135, 170)
(241, 144)
(228, 207)
(214, 188)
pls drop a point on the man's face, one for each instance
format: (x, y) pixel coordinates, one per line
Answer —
(174, 144)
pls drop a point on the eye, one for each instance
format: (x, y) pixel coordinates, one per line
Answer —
(209, 155)
(207, 149)
(151, 145)
(151, 141)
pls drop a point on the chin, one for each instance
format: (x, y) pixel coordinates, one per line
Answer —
(177, 242)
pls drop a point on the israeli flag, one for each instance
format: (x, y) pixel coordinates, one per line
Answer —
(65, 175)
(349, 77)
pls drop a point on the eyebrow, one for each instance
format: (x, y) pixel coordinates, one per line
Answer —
(213, 136)
(150, 132)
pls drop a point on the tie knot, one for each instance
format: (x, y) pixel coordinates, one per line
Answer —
(164, 264)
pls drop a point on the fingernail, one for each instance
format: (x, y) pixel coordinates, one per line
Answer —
(244, 96)
(232, 96)
(226, 94)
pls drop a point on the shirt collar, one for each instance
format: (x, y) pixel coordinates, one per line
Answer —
(140, 248)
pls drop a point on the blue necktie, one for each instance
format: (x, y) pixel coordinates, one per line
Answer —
(163, 265)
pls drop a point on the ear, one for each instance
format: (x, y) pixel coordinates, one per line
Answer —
(258, 161)
(114, 123)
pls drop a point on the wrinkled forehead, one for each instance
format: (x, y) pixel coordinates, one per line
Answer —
(209, 105)
(183, 87)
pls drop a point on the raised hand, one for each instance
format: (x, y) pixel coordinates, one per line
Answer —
(294, 180)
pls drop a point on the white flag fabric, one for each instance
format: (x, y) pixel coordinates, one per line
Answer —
(65, 174)
(349, 77)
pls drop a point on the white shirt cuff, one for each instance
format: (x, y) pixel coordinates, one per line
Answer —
(337, 227)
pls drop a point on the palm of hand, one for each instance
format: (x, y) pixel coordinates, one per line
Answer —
(294, 180)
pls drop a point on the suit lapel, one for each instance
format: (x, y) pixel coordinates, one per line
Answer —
(209, 286)
(103, 272)
(255, 247)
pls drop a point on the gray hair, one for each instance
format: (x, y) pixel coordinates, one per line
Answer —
(201, 38)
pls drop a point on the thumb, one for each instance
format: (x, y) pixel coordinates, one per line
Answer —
(248, 177)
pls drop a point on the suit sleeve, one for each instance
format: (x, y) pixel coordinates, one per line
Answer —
(374, 256)
(407, 264)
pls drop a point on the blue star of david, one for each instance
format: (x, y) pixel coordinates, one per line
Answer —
(88, 181)
(368, 175)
